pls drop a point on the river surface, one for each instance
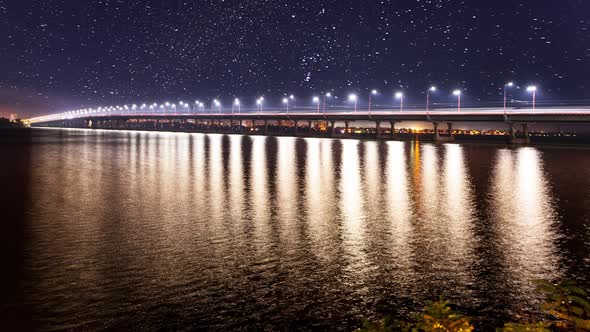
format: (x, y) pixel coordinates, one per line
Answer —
(146, 231)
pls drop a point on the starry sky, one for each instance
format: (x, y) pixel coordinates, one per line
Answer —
(57, 55)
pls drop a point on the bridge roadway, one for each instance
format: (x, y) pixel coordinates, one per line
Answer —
(260, 120)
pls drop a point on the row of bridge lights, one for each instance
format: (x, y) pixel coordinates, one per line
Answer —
(398, 95)
(287, 101)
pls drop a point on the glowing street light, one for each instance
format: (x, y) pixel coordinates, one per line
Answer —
(326, 95)
(292, 99)
(400, 95)
(217, 104)
(431, 89)
(198, 103)
(458, 94)
(236, 105)
(532, 89)
(317, 101)
(260, 103)
(286, 102)
(352, 97)
(506, 86)
(373, 93)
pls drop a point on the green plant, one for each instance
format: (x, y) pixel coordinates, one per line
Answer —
(527, 327)
(567, 302)
(438, 316)
(386, 325)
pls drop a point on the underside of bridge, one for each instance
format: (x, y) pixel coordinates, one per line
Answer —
(440, 131)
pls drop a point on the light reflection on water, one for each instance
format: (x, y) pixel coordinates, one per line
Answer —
(526, 219)
(242, 231)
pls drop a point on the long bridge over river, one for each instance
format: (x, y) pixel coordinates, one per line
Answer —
(518, 122)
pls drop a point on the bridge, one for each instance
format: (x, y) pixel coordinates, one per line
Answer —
(315, 123)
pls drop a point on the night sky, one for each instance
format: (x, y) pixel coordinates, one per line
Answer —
(56, 55)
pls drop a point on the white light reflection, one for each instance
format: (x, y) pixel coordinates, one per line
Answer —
(373, 178)
(399, 212)
(260, 196)
(525, 219)
(286, 183)
(319, 198)
(216, 179)
(236, 179)
(353, 212)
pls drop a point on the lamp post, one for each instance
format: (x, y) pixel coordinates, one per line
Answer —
(458, 94)
(326, 95)
(260, 103)
(431, 89)
(352, 97)
(286, 102)
(532, 89)
(317, 101)
(506, 86)
(292, 98)
(400, 95)
(198, 104)
(373, 93)
(217, 104)
(236, 105)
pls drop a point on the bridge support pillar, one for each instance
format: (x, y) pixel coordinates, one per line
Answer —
(378, 129)
(295, 127)
(451, 136)
(525, 131)
(346, 126)
(512, 131)
(265, 127)
(517, 140)
(436, 135)
(392, 124)
(310, 123)
(332, 126)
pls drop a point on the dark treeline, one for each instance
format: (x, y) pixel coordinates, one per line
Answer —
(6, 123)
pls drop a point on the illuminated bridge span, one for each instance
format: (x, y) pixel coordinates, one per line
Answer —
(334, 123)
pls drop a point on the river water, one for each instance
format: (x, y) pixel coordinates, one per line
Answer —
(139, 230)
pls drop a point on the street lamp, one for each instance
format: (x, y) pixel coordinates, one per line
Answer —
(352, 97)
(217, 104)
(260, 104)
(236, 105)
(317, 101)
(292, 98)
(458, 94)
(432, 89)
(373, 93)
(506, 86)
(532, 89)
(400, 95)
(326, 95)
(198, 106)
(286, 102)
